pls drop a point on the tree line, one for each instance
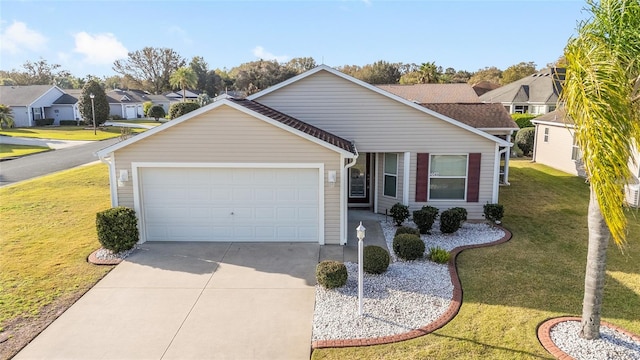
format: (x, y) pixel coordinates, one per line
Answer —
(151, 69)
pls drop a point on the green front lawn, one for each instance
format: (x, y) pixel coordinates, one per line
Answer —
(147, 121)
(47, 229)
(66, 132)
(511, 288)
(9, 150)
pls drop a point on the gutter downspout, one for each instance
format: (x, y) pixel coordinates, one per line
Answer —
(112, 179)
(506, 159)
(343, 197)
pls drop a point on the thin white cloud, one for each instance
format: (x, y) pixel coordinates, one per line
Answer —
(18, 37)
(181, 33)
(367, 2)
(99, 48)
(261, 53)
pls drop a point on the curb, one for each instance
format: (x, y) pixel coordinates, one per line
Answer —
(451, 312)
(544, 335)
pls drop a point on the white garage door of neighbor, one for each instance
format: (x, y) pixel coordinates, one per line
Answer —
(131, 112)
(230, 204)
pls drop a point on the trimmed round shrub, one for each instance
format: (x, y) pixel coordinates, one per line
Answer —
(462, 213)
(156, 112)
(181, 108)
(399, 213)
(524, 139)
(449, 221)
(439, 255)
(494, 212)
(375, 259)
(331, 274)
(408, 246)
(117, 229)
(425, 218)
(407, 230)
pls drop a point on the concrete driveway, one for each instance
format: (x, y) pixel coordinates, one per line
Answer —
(192, 301)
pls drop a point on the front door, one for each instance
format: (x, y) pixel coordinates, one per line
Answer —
(359, 180)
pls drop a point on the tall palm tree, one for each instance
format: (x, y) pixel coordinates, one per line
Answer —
(6, 116)
(601, 95)
(428, 73)
(183, 77)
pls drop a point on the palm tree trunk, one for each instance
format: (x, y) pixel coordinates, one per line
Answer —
(595, 275)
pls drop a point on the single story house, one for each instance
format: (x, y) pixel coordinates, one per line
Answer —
(535, 94)
(286, 163)
(30, 103)
(555, 146)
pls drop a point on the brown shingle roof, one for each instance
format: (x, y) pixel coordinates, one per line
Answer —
(433, 93)
(478, 115)
(296, 124)
(556, 116)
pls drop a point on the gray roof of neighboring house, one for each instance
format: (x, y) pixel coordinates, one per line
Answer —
(128, 96)
(13, 95)
(188, 94)
(296, 124)
(556, 116)
(66, 99)
(433, 93)
(159, 98)
(541, 87)
(478, 115)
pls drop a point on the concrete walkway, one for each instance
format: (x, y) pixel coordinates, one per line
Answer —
(51, 143)
(192, 301)
(131, 125)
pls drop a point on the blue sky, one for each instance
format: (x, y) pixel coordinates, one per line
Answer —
(85, 37)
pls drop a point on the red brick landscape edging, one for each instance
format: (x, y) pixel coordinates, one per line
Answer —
(544, 335)
(451, 312)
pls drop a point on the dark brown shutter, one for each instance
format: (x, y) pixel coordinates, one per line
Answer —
(473, 178)
(422, 177)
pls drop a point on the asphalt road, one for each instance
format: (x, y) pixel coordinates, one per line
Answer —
(32, 166)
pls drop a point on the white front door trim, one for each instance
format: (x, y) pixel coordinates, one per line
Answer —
(137, 201)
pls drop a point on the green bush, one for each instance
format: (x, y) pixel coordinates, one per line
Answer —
(331, 274)
(117, 229)
(156, 112)
(462, 213)
(181, 108)
(439, 255)
(68, 122)
(399, 213)
(115, 117)
(408, 246)
(407, 230)
(523, 120)
(375, 259)
(450, 221)
(493, 212)
(44, 122)
(425, 218)
(524, 140)
(146, 106)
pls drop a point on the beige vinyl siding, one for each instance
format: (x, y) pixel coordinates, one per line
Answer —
(226, 135)
(556, 152)
(379, 124)
(373, 121)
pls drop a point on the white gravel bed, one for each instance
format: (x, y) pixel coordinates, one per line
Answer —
(611, 345)
(104, 254)
(408, 296)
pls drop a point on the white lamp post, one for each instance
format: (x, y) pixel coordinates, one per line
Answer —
(93, 113)
(360, 234)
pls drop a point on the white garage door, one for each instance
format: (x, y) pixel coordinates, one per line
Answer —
(130, 112)
(230, 204)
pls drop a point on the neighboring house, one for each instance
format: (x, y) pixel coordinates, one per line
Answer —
(484, 87)
(163, 101)
(434, 93)
(285, 164)
(127, 104)
(555, 146)
(67, 106)
(31, 102)
(535, 94)
(188, 95)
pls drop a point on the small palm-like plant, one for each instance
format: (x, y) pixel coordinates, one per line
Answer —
(6, 116)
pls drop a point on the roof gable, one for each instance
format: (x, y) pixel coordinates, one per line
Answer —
(256, 110)
(17, 95)
(377, 90)
(542, 87)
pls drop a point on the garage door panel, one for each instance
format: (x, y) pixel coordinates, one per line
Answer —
(230, 204)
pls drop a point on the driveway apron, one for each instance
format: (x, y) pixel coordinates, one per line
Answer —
(192, 301)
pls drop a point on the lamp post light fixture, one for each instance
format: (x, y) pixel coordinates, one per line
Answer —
(93, 113)
(360, 234)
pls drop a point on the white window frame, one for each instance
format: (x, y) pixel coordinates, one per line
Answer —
(546, 134)
(432, 176)
(385, 174)
(575, 150)
(524, 109)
